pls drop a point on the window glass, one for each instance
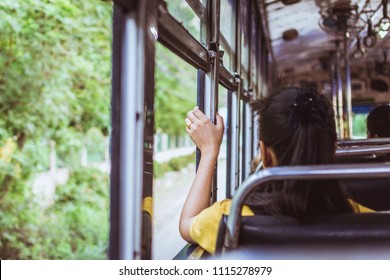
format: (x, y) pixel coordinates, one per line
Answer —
(227, 57)
(228, 31)
(222, 110)
(247, 143)
(245, 35)
(241, 142)
(254, 39)
(359, 125)
(233, 152)
(174, 158)
(183, 13)
(244, 76)
(359, 120)
(260, 61)
(227, 22)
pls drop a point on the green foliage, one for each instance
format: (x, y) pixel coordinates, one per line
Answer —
(184, 14)
(175, 92)
(159, 169)
(75, 227)
(174, 164)
(19, 213)
(175, 79)
(95, 143)
(54, 66)
(78, 221)
(55, 59)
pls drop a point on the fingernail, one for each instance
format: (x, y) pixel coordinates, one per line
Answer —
(196, 107)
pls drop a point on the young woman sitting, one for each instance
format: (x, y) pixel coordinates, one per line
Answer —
(296, 127)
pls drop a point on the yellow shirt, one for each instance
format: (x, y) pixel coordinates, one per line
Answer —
(204, 228)
(147, 205)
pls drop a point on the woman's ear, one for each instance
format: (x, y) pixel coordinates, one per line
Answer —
(268, 156)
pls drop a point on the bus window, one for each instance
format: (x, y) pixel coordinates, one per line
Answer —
(245, 35)
(253, 61)
(359, 125)
(227, 36)
(174, 158)
(184, 14)
(359, 120)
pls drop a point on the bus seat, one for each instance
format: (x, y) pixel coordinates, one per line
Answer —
(372, 193)
(344, 236)
(347, 236)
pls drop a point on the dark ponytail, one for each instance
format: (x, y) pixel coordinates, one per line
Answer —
(299, 126)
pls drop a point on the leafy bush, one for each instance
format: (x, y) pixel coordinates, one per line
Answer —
(20, 215)
(75, 227)
(54, 84)
(78, 221)
(174, 164)
(159, 169)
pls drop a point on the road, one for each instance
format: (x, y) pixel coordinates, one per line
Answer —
(169, 195)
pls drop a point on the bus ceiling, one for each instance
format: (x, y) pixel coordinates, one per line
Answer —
(305, 35)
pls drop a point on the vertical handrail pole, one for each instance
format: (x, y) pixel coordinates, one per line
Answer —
(340, 106)
(347, 94)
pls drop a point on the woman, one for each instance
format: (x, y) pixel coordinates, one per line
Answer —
(296, 127)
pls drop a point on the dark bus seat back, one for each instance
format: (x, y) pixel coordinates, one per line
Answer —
(347, 236)
(355, 228)
(372, 193)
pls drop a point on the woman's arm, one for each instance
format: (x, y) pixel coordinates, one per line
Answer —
(207, 137)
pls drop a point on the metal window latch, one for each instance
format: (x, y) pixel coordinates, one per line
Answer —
(237, 78)
(212, 52)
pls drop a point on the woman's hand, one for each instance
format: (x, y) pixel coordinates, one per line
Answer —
(206, 135)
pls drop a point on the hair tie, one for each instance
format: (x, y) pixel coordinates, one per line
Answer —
(301, 109)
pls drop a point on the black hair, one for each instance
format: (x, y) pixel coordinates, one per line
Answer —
(299, 126)
(378, 122)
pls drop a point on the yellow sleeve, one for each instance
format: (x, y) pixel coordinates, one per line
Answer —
(147, 205)
(358, 208)
(204, 227)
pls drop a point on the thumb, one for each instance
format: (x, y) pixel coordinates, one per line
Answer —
(219, 121)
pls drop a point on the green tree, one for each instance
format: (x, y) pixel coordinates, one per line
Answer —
(175, 92)
(54, 84)
(175, 79)
(54, 67)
